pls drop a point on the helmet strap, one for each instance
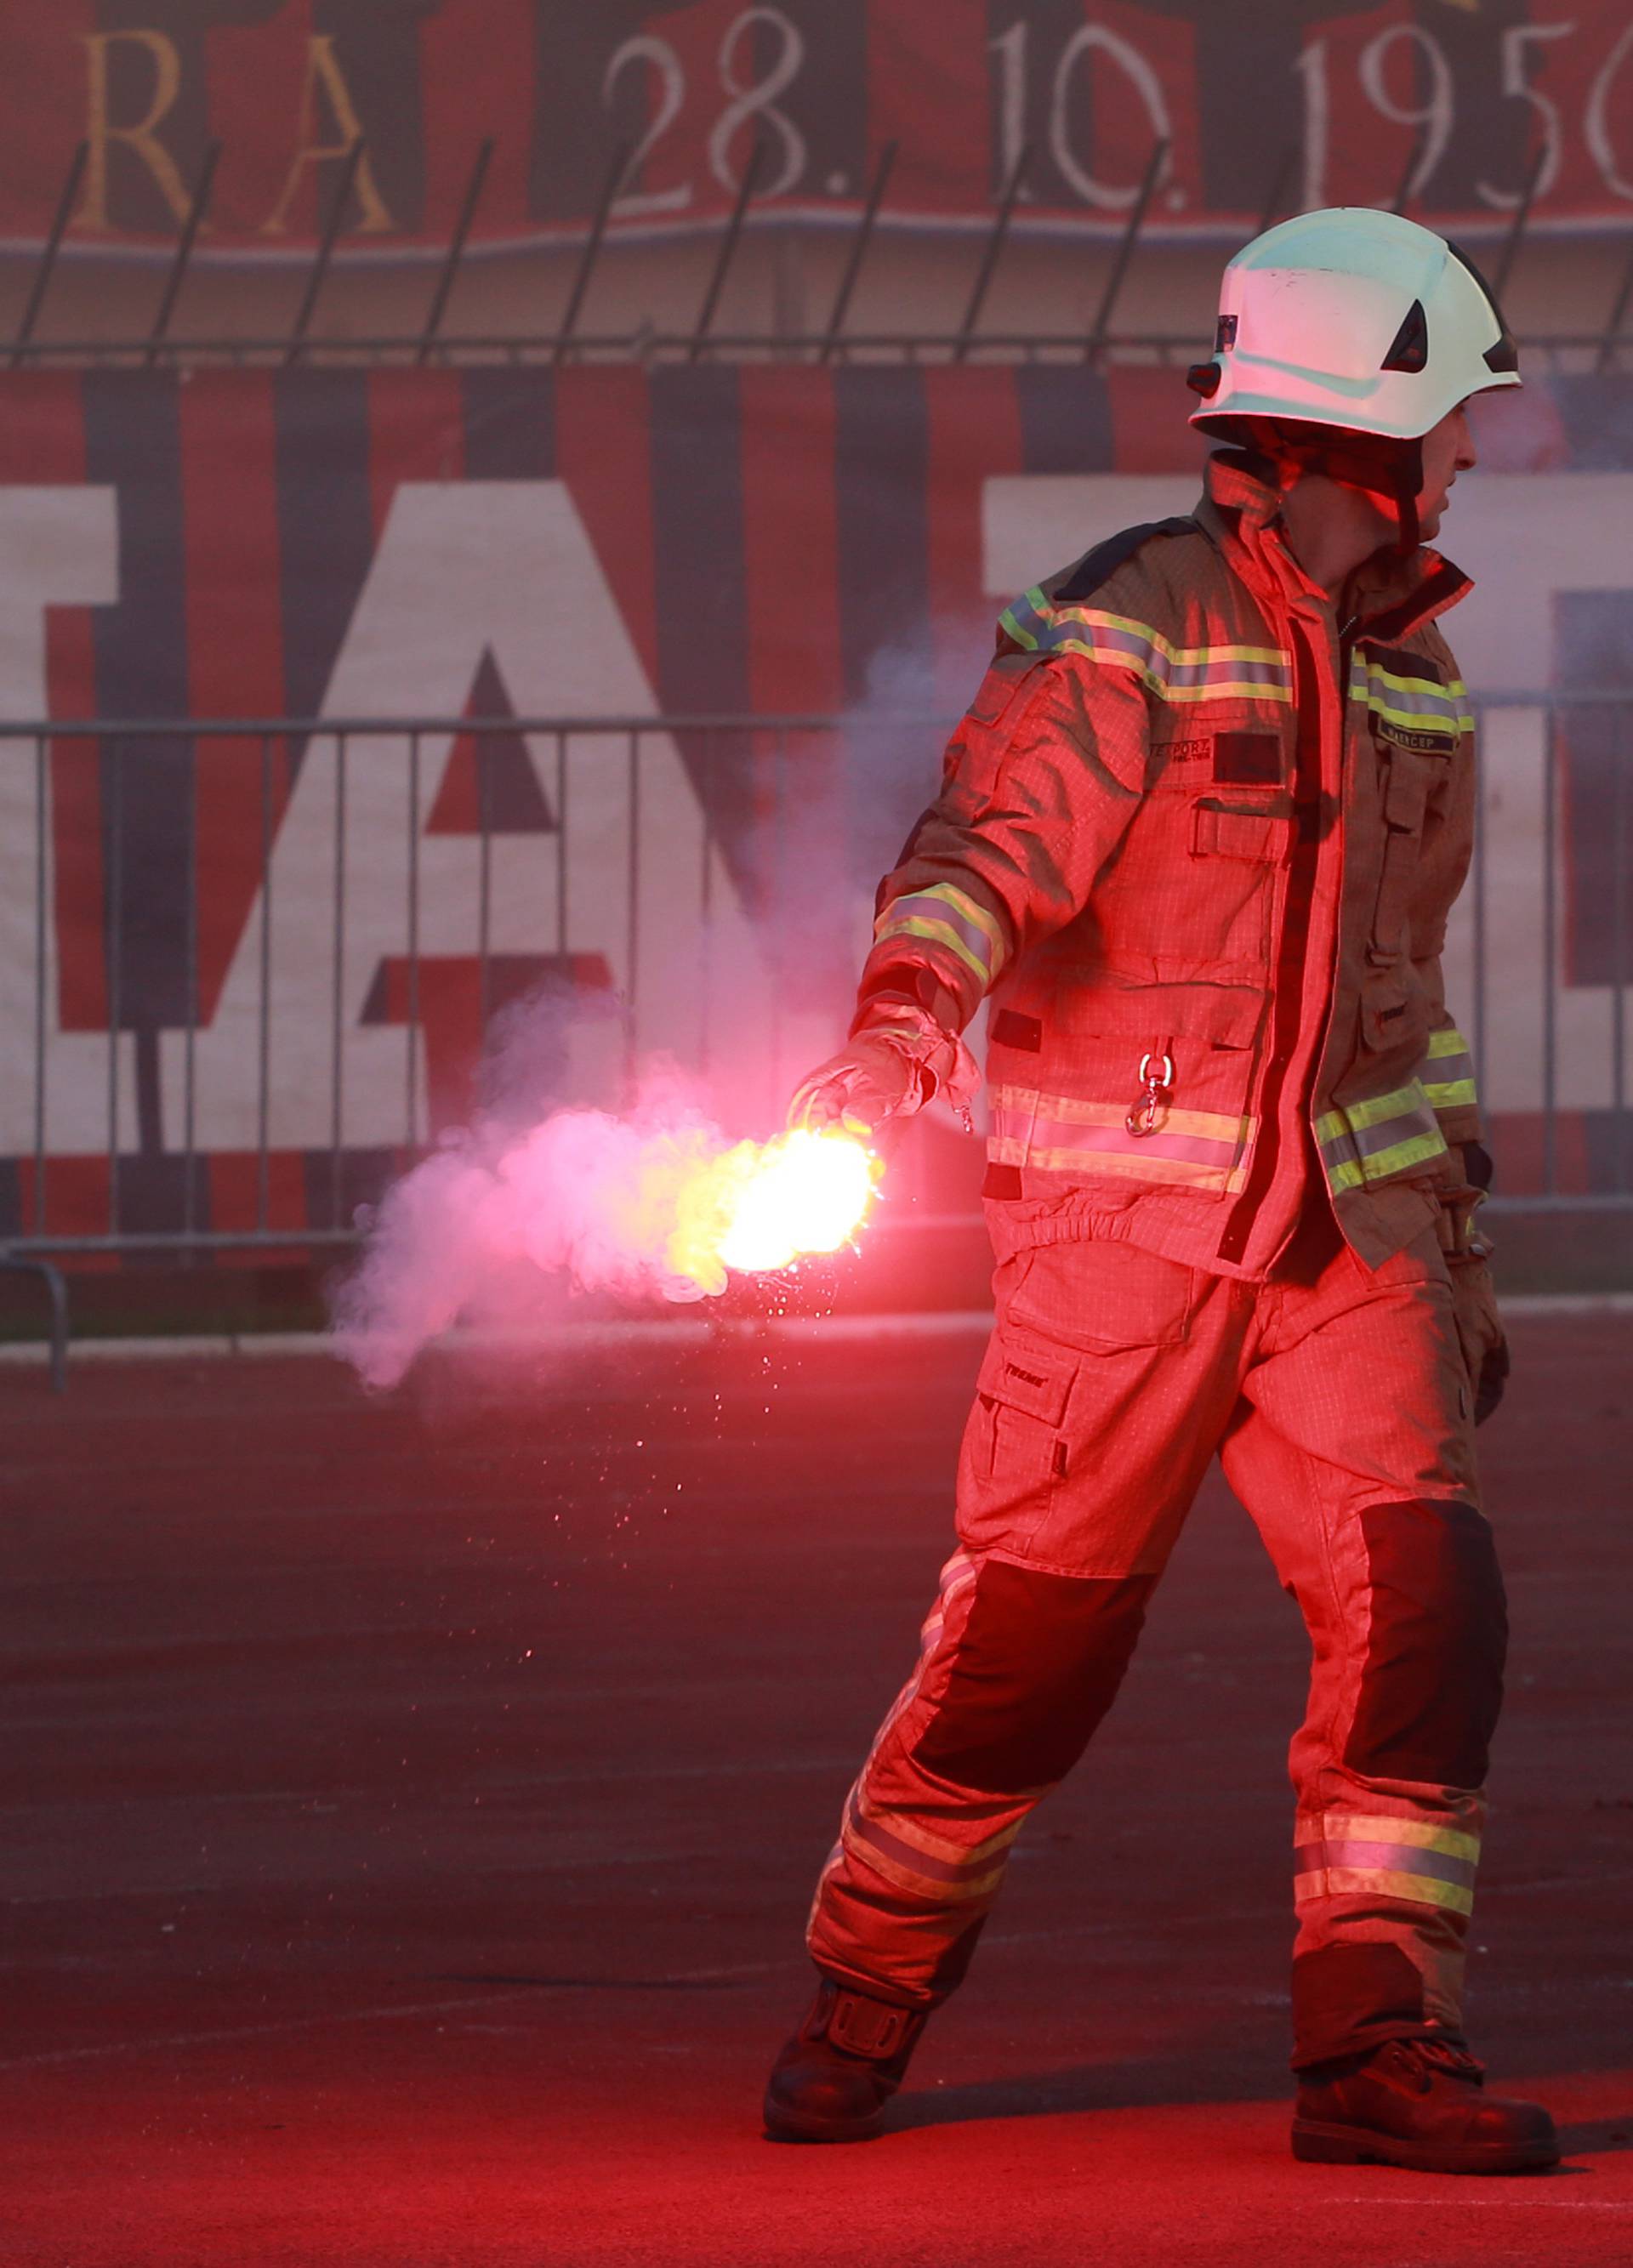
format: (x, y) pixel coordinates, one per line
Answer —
(1389, 469)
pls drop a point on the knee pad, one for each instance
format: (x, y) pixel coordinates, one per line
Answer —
(1038, 1664)
(1432, 1685)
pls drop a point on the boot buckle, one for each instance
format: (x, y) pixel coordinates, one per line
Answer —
(864, 2027)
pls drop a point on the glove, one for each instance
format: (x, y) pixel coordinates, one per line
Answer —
(894, 1061)
(1473, 1300)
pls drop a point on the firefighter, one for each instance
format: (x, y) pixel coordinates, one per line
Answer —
(1196, 843)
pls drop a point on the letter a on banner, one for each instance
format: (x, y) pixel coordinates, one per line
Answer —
(490, 578)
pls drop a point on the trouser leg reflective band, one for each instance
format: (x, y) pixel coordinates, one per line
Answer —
(1385, 1876)
(1018, 1669)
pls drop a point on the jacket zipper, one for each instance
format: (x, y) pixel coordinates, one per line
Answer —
(1287, 1012)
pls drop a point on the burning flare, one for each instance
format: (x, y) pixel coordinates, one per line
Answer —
(654, 1201)
(765, 1204)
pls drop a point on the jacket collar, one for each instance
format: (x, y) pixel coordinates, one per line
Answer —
(1387, 596)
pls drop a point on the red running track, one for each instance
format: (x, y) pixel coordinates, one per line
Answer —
(411, 1807)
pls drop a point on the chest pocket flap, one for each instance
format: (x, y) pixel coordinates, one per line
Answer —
(1262, 832)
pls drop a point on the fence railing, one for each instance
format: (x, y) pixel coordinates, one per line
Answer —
(249, 967)
(1563, 351)
(1103, 339)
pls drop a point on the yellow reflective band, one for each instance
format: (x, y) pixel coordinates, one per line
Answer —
(1356, 1116)
(1443, 699)
(1417, 720)
(1182, 657)
(1113, 1164)
(1408, 1105)
(1214, 690)
(936, 1847)
(976, 915)
(1382, 1827)
(1141, 645)
(1377, 1881)
(1212, 1125)
(1399, 1155)
(935, 1892)
(939, 934)
(1449, 1047)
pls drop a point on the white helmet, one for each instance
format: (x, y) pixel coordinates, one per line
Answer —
(1354, 319)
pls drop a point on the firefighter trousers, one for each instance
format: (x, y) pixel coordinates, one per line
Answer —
(1337, 1400)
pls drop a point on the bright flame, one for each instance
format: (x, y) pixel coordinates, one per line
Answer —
(761, 1206)
(806, 1193)
(655, 1200)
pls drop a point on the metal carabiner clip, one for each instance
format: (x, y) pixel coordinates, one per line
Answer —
(1157, 1084)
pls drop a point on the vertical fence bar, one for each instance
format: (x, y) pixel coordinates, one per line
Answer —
(705, 954)
(779, 897)
(728, 250)
(1513, 241)
(1124, 251)
(485, 889)
(263, 1037)
(43, 998)
(338, 1034)
(561, 848)
(860, 243)
(46, 268)
(190, 1042)
(449, 276)
(190, 227)
(114, 775)
(617, 167)
(993, 251)
(1480, 825)
(1402, 197)
(1281, 182)
(1550, 1036)
(1612, 337)
(1622, 849)
(410, 1132)
(632, 929)
(326, 250)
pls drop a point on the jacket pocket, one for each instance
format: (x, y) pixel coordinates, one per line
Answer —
(1015, 1450)
(1100, 1294)
(1408, 781)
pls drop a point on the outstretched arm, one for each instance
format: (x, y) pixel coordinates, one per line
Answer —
(1040, 782)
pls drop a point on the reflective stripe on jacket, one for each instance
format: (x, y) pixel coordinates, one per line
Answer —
(1199, 845)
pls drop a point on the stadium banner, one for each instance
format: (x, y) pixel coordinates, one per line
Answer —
(1446, 103)
(217, 944)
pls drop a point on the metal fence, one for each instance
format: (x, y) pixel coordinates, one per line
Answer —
(247, 966)
(1100, 341)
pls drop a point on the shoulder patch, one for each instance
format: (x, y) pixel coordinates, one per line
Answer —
(1396, 660)
(1100, 564)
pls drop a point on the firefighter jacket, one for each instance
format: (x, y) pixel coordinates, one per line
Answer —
(1198, 836)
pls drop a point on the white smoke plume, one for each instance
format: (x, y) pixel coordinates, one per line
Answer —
(544, 1195)
(655, 1200)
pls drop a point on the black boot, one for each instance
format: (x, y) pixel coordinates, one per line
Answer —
(832, 2081)
(1417, 2102)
